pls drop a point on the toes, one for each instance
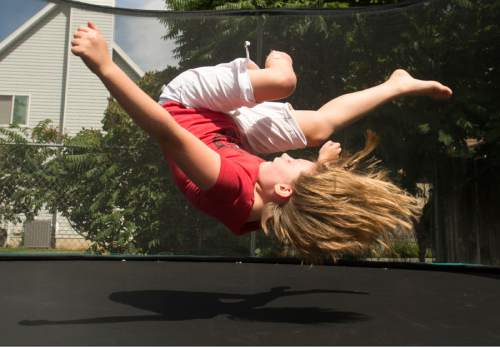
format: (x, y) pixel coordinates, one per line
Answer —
(442, 93)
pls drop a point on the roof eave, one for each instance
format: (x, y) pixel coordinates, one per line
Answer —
(127, 59)
(30, 23)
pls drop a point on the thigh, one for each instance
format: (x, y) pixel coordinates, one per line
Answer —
(221, 88)
(313, 125)
(276, 81)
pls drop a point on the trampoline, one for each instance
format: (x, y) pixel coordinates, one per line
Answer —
(183, 301)
(111, 192)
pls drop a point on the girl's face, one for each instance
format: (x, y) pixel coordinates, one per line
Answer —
(288, 169)
(282, 171)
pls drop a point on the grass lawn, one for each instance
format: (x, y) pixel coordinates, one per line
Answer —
(27, 251)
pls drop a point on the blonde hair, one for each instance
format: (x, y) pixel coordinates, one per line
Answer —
(345, 207)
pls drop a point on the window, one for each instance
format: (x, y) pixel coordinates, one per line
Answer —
(14, 109)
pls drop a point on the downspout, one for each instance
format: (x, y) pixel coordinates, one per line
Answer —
(66, 72)
(258, 60)
(64, 94)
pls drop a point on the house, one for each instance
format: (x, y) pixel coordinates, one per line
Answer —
(40, 79)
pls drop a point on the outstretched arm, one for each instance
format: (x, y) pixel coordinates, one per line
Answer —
(198, 161)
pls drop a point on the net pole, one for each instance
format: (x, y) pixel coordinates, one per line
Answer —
(259, 61)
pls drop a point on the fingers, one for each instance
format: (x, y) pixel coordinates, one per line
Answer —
(76, 47)
(77, 38)
(80, 35)
(332, 144)
(86, 29)
(329, 151)
(76, 43)
(92, 26)
(76, 50)
(83, 29)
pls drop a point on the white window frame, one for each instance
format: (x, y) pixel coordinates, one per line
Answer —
(28, 109)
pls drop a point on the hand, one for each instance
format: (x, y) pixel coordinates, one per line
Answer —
(90, 45)
(329, 151)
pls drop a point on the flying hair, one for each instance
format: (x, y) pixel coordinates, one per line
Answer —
(347, 206)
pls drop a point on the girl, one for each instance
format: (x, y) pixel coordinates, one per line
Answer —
(212, 121)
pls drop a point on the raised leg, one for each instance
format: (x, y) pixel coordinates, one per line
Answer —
(276, 81)
(319, 125)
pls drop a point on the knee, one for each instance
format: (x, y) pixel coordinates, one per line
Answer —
(316, 140)
(286, 82)
(278, 57)
(280, 65)
(318, 134)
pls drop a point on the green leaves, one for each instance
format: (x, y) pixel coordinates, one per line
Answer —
(444, 138)
(424, 128)
(114, 185)
(23, 172)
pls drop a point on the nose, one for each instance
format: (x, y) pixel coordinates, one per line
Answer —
(285, 156)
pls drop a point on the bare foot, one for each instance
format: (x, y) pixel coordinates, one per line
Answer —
(408, 85)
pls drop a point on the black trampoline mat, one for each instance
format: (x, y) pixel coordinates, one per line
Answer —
(193, 303)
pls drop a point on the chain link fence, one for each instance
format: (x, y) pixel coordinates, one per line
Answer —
(105, 200)
(87, 199)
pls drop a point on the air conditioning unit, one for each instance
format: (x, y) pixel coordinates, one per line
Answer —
(38, 234)
(3, 237)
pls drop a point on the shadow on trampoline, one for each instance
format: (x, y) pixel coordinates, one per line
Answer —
(169, 305)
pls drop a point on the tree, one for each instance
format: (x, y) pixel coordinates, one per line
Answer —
(23, 171)
(119, 193)
(338, 52)
(113, 186)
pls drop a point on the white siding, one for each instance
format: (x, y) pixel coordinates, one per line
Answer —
(86, 98)
(66, 236)
(34, 66)
(86, 101)
(60, 86)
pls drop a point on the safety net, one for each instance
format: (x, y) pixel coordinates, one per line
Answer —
(76, 174)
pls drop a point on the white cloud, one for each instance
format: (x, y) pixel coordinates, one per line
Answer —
(142, 4)
(141, 37)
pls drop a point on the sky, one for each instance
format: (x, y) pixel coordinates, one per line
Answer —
(140, 38)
